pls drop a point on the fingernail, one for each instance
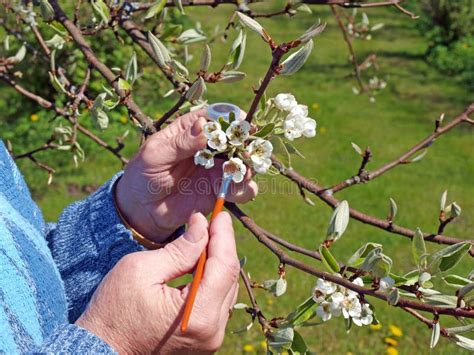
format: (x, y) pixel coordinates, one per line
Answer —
(194, 233)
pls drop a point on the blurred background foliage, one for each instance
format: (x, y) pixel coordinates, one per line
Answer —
(429, 67)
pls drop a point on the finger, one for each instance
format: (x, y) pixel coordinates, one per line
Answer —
(228, 304)
(222, 266)
(244, 192)
(226, 310)
(186, 143)
(180, 256)
(183, 122)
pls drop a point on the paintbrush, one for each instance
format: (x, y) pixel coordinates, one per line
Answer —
(226, 180)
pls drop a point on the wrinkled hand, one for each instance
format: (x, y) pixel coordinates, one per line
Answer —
(161, 187)
(134, 311)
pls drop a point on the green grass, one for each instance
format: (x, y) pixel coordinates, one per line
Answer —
(402, 115)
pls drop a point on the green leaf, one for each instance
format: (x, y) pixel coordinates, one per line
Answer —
(418, 249)
(179, 6)
(282, 338)
(299, 345)
(224, 124)
(47, 11)
(155, 9)
(280, 151)
(456, 281)
(303, 312)
(292, 149)
(101, 8)
(465, 290)
(447, 258)
(329, 261)
(124, 85)
(265, 131)
(358, 257)
(56, 83)
(399, 280)
(296, 60)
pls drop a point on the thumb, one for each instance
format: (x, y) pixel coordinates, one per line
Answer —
(180, 256)
(187, 142)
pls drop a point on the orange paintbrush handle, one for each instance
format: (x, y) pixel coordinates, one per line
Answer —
(198, 273)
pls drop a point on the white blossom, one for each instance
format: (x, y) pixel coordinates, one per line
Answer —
(324, 311)
(365, 317)
(297, 125)
(238, 132)
(237, 167)
(205, 158)
(299, 110)
(260, 151)
(309, 127)
(322, 289)
(386, 283)
(285, 102)
(292, 128)
(349, 304)
(217, 140)
(210, 127)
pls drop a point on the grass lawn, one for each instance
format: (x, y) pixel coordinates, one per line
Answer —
(402, 115)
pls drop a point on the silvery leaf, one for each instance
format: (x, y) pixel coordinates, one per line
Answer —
(393, 297)
(311, 32)
(237, 50)
(393, 209)
(464, 342)
(161, 52)
(57, 85)
(179, 5)
(205, 58)
(296, 60)
(231, 76)
(436, 330)
(196, 90)
(419, 156)
(418, 249)
(442, 201)
(377, 26)
(358, 257)
(190, 36)
(131, 71)
(356, 148)
(338, 222)
(253, 25)
(19, 56)
(455, 210)
(461, 329)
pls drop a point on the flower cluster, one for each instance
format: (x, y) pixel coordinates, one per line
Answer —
(296, 123)
(282, 119)
(235, 140)
(335, 301)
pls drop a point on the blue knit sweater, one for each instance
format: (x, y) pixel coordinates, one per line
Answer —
(48, 272)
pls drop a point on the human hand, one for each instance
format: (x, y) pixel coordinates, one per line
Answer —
(134, 311)
(161, 186)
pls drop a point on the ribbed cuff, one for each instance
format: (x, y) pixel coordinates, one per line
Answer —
(72, 339)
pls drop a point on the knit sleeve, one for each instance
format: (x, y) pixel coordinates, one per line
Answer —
(72, 339)
(86, 243)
